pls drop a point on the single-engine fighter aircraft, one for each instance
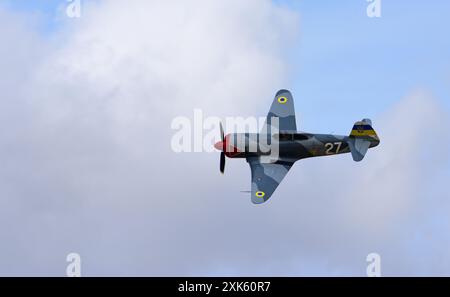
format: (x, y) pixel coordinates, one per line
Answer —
(280, 132)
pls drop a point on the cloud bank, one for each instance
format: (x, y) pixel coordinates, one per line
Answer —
(87, 165)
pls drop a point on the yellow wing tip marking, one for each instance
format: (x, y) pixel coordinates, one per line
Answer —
(260, 194)
(282, 100)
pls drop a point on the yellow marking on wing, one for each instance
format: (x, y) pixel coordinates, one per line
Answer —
(282, 100)
(260, 194)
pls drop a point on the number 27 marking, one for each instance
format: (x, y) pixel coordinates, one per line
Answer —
(330, 146)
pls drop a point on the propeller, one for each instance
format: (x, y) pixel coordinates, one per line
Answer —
(222, 154)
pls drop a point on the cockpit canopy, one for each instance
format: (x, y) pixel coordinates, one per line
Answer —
(291, 136)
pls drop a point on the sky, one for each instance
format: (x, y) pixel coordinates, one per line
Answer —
(86, 164)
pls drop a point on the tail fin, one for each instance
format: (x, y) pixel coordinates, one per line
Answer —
(361, 138)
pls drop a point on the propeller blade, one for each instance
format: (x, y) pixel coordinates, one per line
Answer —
(222, 154)
(222, 135)
(222, 162)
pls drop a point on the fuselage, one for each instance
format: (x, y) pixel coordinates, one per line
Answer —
(285, 147)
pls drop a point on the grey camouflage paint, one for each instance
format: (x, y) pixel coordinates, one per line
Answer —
(268, 173)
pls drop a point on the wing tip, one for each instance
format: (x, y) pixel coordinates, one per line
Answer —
(257, 201)
(282, 91)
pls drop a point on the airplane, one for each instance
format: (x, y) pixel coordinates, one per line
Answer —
(280, 127)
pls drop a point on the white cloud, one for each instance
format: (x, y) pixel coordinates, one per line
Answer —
(96, 114)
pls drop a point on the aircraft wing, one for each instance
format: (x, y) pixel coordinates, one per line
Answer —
(283, 109)
(265, 178)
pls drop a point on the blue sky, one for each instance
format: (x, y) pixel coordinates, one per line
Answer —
(346, 59)
(45, 10)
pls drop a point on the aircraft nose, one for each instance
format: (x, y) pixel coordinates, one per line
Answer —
(219, 146)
